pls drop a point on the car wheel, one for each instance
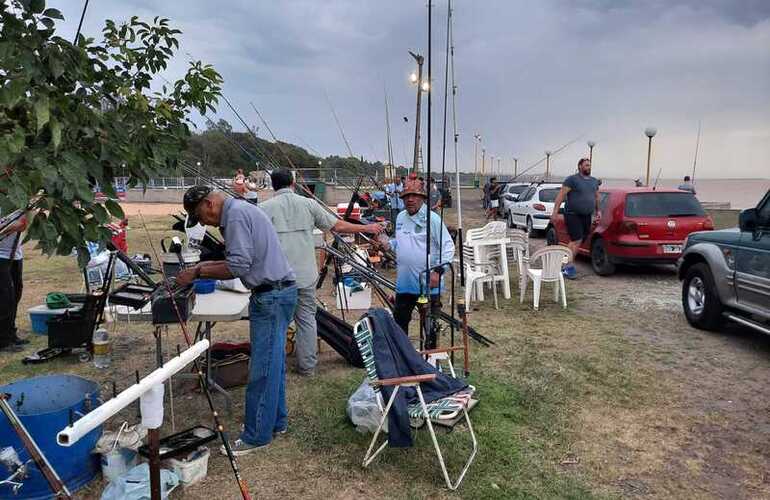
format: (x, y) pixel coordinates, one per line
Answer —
(551, 238)
(700, 301)
(530, 229)
(600, 261)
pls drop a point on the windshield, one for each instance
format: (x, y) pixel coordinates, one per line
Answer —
(517, 189)
(662, 205)
(549, 195)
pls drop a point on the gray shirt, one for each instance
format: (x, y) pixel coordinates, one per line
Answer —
(581, 199)
(294, 218)
(252, 250)
(687, 186)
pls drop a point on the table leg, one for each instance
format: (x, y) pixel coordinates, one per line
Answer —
(209, 326)
(506, 280)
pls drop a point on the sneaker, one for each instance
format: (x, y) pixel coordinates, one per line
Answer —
(240, 448)
(281, 432)
(569, 272)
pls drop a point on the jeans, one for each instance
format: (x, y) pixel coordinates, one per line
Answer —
(11, 287)
(269, 316)
(307, 334)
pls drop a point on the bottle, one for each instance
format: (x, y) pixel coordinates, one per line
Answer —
(102, 351)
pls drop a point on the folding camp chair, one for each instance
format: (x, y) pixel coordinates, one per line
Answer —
(444, 407)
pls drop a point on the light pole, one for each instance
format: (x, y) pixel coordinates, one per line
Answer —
(476, 141)
(417, 78)
(591, 145)
(515, 166)
(499, 167)
(492, 165)
(483, 162)
(547, 163)
(650, 133)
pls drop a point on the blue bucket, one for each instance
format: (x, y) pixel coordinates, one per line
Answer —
(204, 286)
(43, 405)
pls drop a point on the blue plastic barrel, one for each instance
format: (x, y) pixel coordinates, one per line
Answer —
(43, 405)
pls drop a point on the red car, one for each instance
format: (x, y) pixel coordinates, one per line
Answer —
(637, 226)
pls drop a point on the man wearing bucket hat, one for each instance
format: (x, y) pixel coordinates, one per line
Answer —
(253, 254)
(410, 245)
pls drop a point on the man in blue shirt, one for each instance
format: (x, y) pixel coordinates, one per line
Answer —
(252, 253)
(410, 245)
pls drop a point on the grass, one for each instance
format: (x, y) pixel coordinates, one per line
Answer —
(546, 368)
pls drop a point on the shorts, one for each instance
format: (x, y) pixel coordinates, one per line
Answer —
(578, 226)
(493, 203)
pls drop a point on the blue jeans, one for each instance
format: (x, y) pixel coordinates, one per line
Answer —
(269, 316)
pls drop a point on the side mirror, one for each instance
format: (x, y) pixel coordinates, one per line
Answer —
(747, 220)
(509, 196)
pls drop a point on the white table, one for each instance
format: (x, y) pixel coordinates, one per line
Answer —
(210, 309)
(480, 250)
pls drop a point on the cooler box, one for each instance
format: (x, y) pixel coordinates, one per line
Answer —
(39, 316)
(354, 214)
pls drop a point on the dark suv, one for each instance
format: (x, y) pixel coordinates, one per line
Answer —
(726, 274)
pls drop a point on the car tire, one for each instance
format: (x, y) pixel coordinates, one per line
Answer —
(700, 301)
(551, 238)
(600, 261)
(510, 220)
(530, 229)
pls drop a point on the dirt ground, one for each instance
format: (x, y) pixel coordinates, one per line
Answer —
(616, 397)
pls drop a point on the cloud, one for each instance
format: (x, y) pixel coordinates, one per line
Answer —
(530, 75)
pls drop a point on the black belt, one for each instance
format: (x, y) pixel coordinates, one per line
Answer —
(269, 287)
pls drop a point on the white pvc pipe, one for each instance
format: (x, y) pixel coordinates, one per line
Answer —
(72, 433)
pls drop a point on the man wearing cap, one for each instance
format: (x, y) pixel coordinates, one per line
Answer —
(294, 218)
(410, 245)
(253, 254)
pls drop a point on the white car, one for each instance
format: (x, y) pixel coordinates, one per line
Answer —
(532, 210)
(509, 194)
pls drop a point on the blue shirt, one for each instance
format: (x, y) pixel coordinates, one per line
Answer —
(393, 191)
(252, 250)
(581, 199)
(410, 245)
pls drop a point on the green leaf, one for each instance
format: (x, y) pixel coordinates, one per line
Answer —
(55, 132)
(54, 13)
(56, 66)
(101, 214)
(42, 112)
(49, 23)
(115, 209)
(37, 6)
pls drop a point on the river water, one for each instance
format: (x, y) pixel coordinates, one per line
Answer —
(740, 193)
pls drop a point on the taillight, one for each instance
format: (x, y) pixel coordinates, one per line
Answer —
(708, 224)
(539, 206)
(628, 227)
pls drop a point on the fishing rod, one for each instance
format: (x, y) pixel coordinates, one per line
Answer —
(201, 378)
(427, 310)
(657, 177)
(541, 160)
(695, 159)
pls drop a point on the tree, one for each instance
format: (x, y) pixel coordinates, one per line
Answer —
(74, 115)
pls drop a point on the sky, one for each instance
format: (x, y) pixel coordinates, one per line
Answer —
(531, 76)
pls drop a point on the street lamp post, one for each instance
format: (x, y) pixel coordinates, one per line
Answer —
(418, 80)
(483, 162)
(499, 167)
(591, 145)
(547, 164)
(515, 167)
(476, 141)
(650, 133)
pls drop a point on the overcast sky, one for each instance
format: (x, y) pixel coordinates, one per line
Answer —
(531, 75)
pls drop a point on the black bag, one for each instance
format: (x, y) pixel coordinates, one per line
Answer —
(339, 335)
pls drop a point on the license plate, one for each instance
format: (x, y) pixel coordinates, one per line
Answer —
(672, 248)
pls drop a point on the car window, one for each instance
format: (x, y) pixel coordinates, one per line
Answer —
(549, 195)
(663, 205)
(518, 189)
(763, 214)
(527, 195)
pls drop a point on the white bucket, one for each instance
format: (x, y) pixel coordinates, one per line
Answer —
(191, 471)
(117, 462)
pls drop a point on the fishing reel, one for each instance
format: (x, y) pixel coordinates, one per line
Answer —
(18, 469)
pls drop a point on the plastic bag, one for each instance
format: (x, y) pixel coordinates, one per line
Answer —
(363, 409)
(135, 484)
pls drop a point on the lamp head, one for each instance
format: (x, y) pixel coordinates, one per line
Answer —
(413, 77)
(650, 132)
(425, 86)
(548, 152)
(591, 144)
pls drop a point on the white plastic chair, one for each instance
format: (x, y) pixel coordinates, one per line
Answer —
(476, 274)
(516, 238)
(551, 257)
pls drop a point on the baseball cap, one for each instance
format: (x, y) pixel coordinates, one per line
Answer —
(192, 197)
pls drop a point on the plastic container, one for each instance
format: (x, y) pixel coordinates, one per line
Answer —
(39, 316)
(43, 405)
(117, 462)
(349, 299)
(102, 349)
(204, 286)
(192, 468)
